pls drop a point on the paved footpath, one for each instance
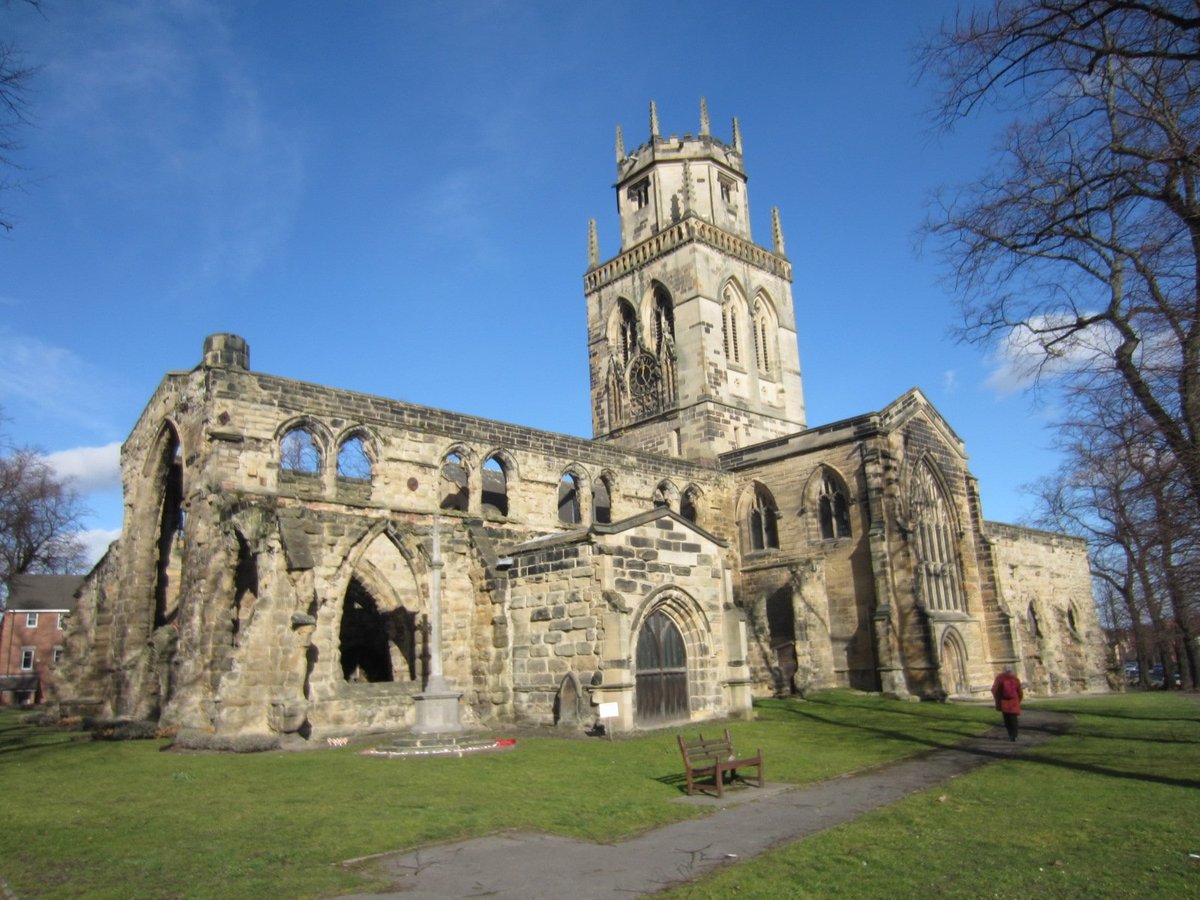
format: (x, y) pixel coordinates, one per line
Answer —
(747, 822)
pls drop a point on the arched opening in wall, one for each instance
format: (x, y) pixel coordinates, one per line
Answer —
(663, 323)
(954, 664)
(1035, 627)
(569, 702)
(666, 496)
(602, 501)
(781, 627)
(1072, 623)
(353, 462)
(689, 505)
(627, 332)
(495, 487)
(762, 521)
(660, 691)
(299, 453)
(732, 305)
(245, 591)
(833, 508)
(171, 522)
(762, 326)
(363, 637)
(454, 488)
(569, 510)
(935, 543)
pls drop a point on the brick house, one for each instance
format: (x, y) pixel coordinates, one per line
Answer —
(32, 634)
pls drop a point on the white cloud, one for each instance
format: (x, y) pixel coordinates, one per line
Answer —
(96, 541)
(949, 381)
(89, 468)
(1047, 348)
(54, 380)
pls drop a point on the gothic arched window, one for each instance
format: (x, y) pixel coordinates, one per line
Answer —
(299, 452)
(627, 334)
(763, 328)
(602, 501)
(454, 493)
(569, 510)
(495, 487)
(353, 460)
(935, 543)
(732, 303)
(762, 521)
(689, 505)
(663, 322)
(833, 508)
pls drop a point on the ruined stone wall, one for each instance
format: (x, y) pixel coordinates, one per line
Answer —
(1046, 589)
(221, 605)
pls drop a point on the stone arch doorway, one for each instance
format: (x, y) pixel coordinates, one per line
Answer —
(661, 686)
(954, 664)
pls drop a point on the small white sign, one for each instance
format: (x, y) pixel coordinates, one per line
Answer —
(608, 711)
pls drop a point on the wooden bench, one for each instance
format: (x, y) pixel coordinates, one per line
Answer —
(714, 758)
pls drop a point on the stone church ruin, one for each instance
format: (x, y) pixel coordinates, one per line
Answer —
(707, 545)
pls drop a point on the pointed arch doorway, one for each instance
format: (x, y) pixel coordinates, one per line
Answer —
(954, 664)
(661, 684)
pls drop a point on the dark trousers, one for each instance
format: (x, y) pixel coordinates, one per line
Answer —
(1011, 721)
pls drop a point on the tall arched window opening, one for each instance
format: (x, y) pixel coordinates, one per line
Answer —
(833, 508)
(731, 306)
(299, 452)
(664, 319)
(353, 461)
(495, 487)
(935, 543)
(569, 510)
(602, 501)
(627, 335)
(763, 330)
(454, 486)
(762, 521)
(169, 563)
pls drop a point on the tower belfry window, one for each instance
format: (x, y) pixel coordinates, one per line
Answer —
(731, 312)
(639, 194)
(728, 187)
(664, 319)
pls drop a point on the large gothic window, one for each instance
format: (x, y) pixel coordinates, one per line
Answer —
(935, 543)
(731, 323)
(833, 509)
(762, 521)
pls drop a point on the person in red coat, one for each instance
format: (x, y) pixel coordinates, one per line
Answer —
(1006, 691)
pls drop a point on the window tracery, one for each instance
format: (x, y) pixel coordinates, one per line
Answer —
(935, 543)
(833, 508)
(762, 521)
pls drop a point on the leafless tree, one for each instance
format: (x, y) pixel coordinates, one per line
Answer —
(15, 77)
(40, 517)
(1081, 248)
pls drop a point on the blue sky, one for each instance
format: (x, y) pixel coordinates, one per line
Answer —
(393, 198)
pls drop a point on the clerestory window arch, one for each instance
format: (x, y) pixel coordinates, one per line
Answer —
(833, 507)
(300, 452)
(762, 521)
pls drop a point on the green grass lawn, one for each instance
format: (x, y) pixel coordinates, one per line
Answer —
(102, 819)
(1108, 810)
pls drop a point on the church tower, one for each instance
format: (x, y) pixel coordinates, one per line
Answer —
(691, 331)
